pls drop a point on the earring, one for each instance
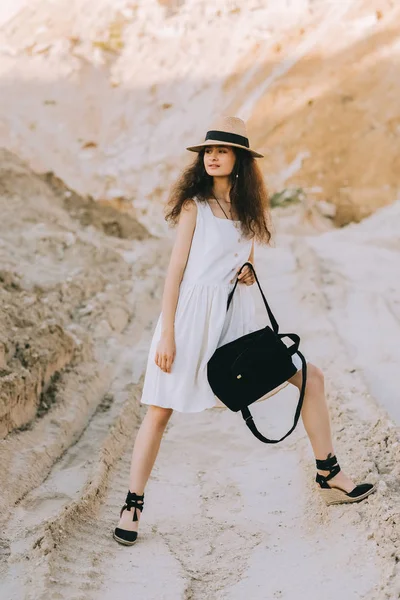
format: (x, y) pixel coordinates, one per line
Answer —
(237, 175)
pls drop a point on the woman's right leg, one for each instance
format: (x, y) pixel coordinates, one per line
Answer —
(144, 454)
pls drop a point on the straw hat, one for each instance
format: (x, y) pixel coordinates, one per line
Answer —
(227, 131)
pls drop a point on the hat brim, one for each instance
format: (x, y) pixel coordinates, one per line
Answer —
(199, 147)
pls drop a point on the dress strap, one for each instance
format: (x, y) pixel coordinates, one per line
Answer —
(201, 206)
(200, 210)
(196, 200)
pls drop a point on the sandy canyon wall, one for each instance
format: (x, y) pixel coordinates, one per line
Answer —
(67, 288)
(108, 94)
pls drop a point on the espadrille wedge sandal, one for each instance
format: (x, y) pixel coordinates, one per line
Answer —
(123, 536)
(332, 495)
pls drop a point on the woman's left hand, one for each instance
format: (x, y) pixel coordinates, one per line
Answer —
(246, 276)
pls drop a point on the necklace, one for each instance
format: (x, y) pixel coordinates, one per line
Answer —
(230, 212)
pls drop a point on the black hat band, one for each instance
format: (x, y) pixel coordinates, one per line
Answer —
(232, 138)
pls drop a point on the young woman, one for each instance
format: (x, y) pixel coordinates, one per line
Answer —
(221, 207)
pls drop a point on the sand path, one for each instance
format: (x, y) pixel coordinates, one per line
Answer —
(226, 517)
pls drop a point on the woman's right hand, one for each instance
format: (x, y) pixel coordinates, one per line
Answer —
(165, 352)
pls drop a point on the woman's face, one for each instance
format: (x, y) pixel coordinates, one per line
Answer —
(219, 160)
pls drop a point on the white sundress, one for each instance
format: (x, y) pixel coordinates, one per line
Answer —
(202, 323)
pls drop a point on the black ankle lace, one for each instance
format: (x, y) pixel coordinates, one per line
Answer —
(135, 501)
(329, 464)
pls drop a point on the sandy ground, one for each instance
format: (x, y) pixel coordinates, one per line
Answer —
(228, 517)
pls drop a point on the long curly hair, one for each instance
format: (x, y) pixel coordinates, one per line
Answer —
(248, 194)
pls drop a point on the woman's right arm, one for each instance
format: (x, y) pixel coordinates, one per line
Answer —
(166, 350)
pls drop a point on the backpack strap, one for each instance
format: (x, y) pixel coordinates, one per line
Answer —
(294, 349)
(272, 319)
(247, 416)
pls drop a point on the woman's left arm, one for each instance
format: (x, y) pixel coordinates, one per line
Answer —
(251, 257)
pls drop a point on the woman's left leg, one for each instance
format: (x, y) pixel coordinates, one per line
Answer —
(315, 416)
